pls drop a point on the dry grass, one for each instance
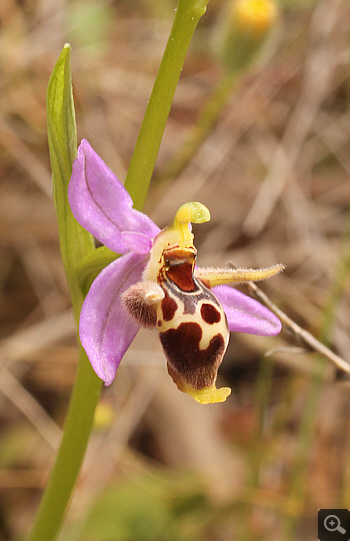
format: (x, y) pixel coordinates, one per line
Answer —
(275, 174)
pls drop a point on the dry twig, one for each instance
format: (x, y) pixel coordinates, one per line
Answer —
(25, 402)
(302, 335)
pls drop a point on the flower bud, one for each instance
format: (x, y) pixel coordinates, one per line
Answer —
(244, 31)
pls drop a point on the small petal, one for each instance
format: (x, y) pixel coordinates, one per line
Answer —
(245, 314)
(101, 204)
(137, 242)
(106, 330)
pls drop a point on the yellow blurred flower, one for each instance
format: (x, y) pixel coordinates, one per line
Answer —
(254, 15)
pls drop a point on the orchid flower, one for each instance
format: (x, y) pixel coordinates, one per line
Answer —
(155, 284)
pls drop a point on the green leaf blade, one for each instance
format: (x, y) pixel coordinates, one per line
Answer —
(75, 242)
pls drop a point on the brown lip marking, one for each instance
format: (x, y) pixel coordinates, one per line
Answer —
(169, 307)
(194, 366)
(210, 314)
(181, 275)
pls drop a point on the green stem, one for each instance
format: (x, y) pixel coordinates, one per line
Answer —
(76, 434)
(201, 130)
(148, 142)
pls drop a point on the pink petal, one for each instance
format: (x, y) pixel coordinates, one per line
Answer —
(106, 330)
(101, 204)
(245, 314)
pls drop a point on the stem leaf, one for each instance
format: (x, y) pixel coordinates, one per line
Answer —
(75, 242)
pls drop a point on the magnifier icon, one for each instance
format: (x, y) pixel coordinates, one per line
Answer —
(332, 524)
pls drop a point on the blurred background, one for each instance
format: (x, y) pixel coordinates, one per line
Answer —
(272, 163)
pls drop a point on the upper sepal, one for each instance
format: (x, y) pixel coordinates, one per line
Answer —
(102, 205)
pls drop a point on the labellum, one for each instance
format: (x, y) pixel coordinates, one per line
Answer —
(176, 299)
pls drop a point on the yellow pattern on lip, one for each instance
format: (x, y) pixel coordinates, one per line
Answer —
(208, 395)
